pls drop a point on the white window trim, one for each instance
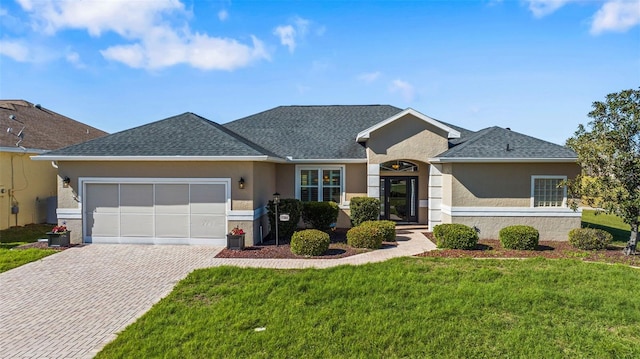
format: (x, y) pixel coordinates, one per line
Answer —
(564, 193)
(341, 168)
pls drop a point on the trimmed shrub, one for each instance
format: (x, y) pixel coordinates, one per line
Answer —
(310, 242)
(589, 238)
(364, 209)
(365, 236)
(287, 205)
(455, 236)
(519, 237)
(388, 229)
(320, 215)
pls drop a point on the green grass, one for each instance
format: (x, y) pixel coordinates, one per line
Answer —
(610, 223)
(15, 236)
(406, 307)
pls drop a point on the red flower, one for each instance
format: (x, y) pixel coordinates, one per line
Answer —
(237, 231)
(59, 229)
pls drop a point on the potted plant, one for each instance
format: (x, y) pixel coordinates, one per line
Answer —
(235, 239)
(59, 236)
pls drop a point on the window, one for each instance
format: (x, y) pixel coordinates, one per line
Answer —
(548, 191)
(321, 184)
(399, 166)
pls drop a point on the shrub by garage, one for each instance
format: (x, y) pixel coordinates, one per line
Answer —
(365, 236)
(455, 236)
(310, 242)
(589, 238)
(388, 229)
(519, 237)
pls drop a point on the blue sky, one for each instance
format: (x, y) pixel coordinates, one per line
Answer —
(532, 65)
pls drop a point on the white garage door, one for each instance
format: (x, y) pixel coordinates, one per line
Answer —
(158, 213)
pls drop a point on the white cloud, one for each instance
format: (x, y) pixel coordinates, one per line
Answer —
(223, 15)
(157, 30)
(541, 8)
(74, 59)
(405, 89)
(290, 34)
(617, 16)
(287, 35)
(15, 50)
(369, 77)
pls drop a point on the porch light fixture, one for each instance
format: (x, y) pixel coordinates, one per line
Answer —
(66, 181)
(241, 183)
(276, 202)
(395, 166)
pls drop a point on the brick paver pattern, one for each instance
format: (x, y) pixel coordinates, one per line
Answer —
(71, 304)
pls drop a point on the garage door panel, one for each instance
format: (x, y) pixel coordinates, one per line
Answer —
(162, 213)
(172, 226)
(104, 198)
(136, 198)
(104, 225)
(172, 198)
(208, 226)
(136, 225)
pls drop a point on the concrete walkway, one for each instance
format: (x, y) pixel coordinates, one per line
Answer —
(71, 304)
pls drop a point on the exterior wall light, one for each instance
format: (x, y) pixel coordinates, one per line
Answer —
(66, 181)
(241, 183)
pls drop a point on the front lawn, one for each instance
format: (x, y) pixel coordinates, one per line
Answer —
(16, 236)
(406, 307)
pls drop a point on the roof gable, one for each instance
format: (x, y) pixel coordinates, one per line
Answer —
(495, 144)
(183, 135)
(42, 129)
(451, 133)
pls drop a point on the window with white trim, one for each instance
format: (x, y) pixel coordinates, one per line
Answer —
(319, 184)
(548, 191)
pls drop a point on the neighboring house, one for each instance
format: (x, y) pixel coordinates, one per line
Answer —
(28, 188)
(178, 180)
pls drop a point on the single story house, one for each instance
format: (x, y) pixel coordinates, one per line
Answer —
(189, 180)
(28, 188)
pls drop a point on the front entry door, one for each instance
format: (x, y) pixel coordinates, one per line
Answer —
(398, 198)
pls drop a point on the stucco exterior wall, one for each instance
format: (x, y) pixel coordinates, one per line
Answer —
(500, 184)
(406, 138)
(355, 180)
(550, 228)
(241, 199)
(33, 183)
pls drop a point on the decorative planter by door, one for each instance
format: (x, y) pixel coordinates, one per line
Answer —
(235, 241)
(59, 239)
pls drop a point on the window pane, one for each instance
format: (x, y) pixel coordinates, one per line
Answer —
(309, 194)
(331, 194)
(547, 192)
(308, 177)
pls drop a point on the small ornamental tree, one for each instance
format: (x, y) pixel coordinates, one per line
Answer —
(609, 153)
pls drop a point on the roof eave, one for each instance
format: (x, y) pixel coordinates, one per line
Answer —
(156, 158)
(326, 160)
(503, 160)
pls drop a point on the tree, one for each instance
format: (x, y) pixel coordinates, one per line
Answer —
(609, 153)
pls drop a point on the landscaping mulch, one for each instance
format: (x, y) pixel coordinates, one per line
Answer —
(492, 248)
(268, 249)
(45, 245)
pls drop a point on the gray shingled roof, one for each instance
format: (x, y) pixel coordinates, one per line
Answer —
(182, 135)
(312, 132)
(492, 142)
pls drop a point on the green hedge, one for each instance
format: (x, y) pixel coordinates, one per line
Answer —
(519, 237)
(310, 242)
(364, 209)
(388, 229)
(320, 215)
(365, 236)
(455, 236)
(589, 238)
(287, 205)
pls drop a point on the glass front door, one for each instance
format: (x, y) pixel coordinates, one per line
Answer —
(398, 198)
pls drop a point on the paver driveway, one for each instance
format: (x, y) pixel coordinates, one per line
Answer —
(71, 304)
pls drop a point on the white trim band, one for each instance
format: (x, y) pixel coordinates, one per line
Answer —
(510, 211)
